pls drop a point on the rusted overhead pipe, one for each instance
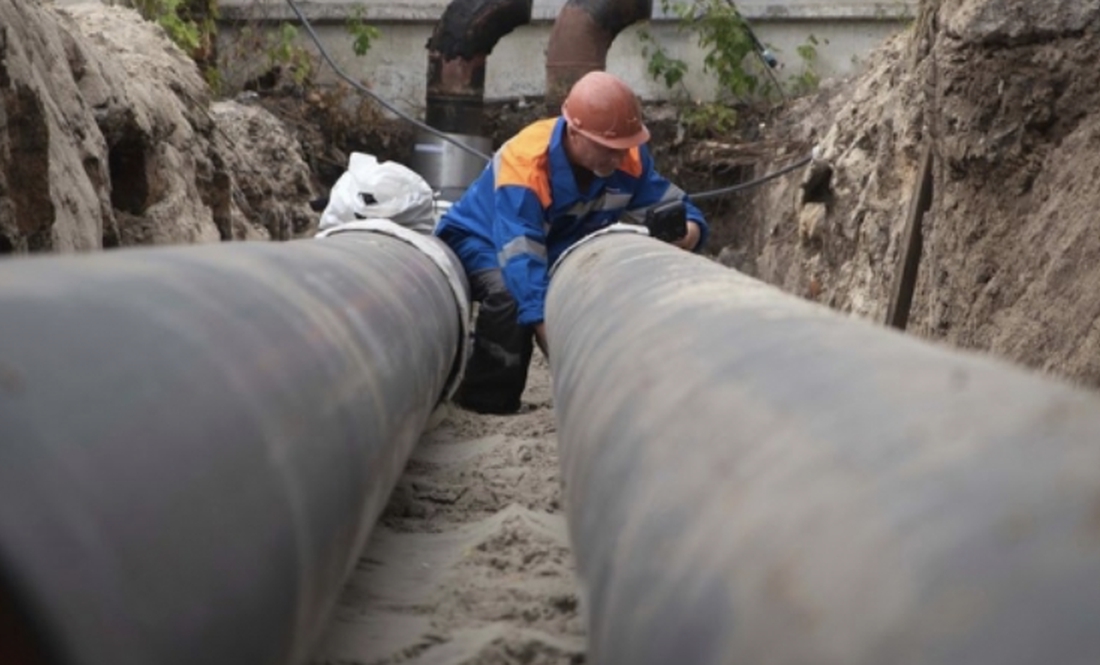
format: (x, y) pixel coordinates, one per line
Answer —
(580, 39)
(753, 478)
(195, 442)
(460, 43)
(457, 50)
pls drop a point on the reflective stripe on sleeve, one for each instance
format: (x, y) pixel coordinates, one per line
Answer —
(521, 245)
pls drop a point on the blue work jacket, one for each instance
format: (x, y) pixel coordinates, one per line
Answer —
(525, 209)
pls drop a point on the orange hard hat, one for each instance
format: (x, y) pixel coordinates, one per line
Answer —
(604, 109)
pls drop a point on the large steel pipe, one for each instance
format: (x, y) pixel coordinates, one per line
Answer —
(195, 442)
(580, 39)
(754, 479)
(460, 44)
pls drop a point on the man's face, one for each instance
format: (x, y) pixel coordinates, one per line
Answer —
(596, 157)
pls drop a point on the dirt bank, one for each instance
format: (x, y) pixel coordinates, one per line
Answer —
(1005, 92)
(109, 137)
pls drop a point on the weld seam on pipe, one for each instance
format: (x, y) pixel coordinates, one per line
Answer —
(613, 229)
(753, 478)
(452, 270)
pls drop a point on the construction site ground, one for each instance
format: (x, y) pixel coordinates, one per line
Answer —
(122, 143)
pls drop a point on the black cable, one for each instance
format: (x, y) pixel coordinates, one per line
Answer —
(367, 91)
(762, 52)
(714, 193)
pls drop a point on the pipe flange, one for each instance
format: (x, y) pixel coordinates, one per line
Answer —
(437, 252)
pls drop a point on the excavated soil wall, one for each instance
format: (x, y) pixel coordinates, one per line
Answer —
(1006, 94)
(108, 137)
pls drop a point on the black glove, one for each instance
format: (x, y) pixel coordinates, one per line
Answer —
(667, 221)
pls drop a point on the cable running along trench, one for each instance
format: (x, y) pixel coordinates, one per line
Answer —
(714, 193)
(367, 91)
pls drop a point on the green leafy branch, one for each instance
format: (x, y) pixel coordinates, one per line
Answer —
(363, 35)
(727, 43)
(172, 16)
(807, 80)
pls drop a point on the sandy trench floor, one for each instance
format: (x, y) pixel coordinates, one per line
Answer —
(470, 563)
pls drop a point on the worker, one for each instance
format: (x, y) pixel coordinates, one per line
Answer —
(553, 183)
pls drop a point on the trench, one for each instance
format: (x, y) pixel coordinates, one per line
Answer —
(470, 562)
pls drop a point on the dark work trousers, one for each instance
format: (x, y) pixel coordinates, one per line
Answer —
(496, 372)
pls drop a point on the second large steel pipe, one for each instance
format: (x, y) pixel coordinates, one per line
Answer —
(754, 479)
(195, 442)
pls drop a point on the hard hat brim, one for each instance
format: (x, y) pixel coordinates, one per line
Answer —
(618, 143)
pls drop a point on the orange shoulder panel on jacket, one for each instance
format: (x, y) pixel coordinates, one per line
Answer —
(525, 160)
(632, 163)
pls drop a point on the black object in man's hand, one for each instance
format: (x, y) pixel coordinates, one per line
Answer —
(667, 221)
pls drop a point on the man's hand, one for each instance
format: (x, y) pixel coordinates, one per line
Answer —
(540, 338)
(691, 239)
